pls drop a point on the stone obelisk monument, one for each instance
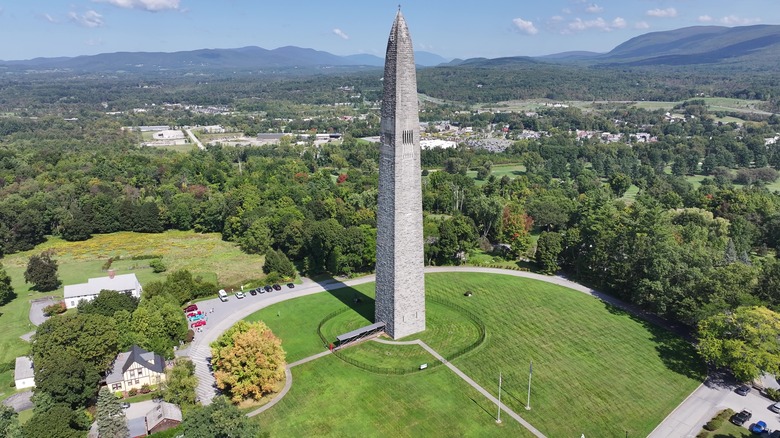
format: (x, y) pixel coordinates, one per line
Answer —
(400, 286)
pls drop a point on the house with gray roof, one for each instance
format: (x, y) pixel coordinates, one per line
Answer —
(163, 417)
(134, 369)
(127, 283)
(24, 377)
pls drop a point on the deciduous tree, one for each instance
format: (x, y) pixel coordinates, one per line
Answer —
(248, 361)
(220, 419)
(746, 340)
(42, 272)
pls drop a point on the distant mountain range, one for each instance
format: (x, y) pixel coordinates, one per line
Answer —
(743, 47)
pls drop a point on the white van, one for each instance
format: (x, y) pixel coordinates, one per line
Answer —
(223, 295)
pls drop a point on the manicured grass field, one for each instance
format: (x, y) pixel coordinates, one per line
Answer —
(332, 398)
(206, 255)
(500, 170)
(597, 370)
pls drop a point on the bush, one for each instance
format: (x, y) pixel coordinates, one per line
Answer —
(190, 335)
(107, 265)
(718, 420)
(773, 393)
(147, 257)
(55, 309)
(157, 266)
(132, 392)
(145, 389)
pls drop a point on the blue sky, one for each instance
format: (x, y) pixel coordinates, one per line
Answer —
(488, 28)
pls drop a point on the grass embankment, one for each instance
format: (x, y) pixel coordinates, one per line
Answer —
(597, 370)
(206, 255)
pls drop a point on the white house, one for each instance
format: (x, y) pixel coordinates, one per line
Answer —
(134, 369)
(127, 283)
(170, 134)
(23, 373)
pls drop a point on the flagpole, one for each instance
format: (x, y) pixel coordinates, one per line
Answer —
(498, 420)
(530, 373)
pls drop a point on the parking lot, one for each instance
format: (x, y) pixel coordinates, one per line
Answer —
(754, 403)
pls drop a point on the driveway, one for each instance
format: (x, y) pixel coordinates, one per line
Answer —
(36, 309)
(21, 401)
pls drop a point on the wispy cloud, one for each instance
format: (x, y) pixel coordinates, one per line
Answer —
(733, 20)
(340, 33)
(526, 27)
(704, 19)
(87, 19)
(593, 8)
(49, 18)
(641, 25)
(619, 23)
(146, 5)
(662, 13)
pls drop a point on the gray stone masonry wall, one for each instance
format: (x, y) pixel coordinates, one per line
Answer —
(400, 284)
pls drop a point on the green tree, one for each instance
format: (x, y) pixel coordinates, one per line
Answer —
(57, 422)
(180, 383)
(91, 338)
(248, 361)
(257, 238)
(42, 272)
(220, 419)
(67, 378)
(9, 423)
(111, 419)
(6, 291)
(619, 183)
(548, 249)
(108, 302)
(277, 261)
(746, 340)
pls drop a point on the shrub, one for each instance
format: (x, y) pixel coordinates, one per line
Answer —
(190, 335)
(157, 266)
(145, 389)
(718, 420)
(147, 257)
(132, 392)
(107, 265)
(773, 393)
(55, 309)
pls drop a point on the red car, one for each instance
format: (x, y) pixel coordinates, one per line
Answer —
(191, 308)
(200, 323)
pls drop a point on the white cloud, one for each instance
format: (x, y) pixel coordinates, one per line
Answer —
(49, 18)
(733, 20)
(146, 5)
(619, 23)
(641, 25)
(340, 33)
(566, 10)
(88, 19)
(704, 19)
(593, 8)
(662, 13)
(579, 25)
(526, 27)
(556, 18)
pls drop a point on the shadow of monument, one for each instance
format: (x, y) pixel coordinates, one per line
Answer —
(356, 300)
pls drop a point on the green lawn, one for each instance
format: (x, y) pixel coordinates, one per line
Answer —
(500, 170)
(206, 255)
(729, 430)
(332, 398)
(597, 370)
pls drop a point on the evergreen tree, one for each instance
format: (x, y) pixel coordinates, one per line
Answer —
(110, 418)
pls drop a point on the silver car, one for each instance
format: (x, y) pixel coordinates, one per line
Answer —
(775, 407)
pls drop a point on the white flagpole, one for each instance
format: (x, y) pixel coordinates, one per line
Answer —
(530, 373)
(498, 420)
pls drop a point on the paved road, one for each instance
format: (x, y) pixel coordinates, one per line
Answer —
(195, 139)
(36, 310)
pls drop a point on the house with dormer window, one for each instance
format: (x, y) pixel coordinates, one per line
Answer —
(134, 369)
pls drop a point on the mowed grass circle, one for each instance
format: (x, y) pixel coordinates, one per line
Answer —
(597, 370)
(447, 324)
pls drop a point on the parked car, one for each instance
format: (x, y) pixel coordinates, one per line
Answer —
(253, 292)
(775, 407)
(200, 323)
(742, 417)
(125, 405)
(277, 287)
(742, 390)
(191, 308)
(758, 427)
(268, 288)
(223, 296)
(290, 285)
(775, 434)
(197, 317)
(240, 295)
